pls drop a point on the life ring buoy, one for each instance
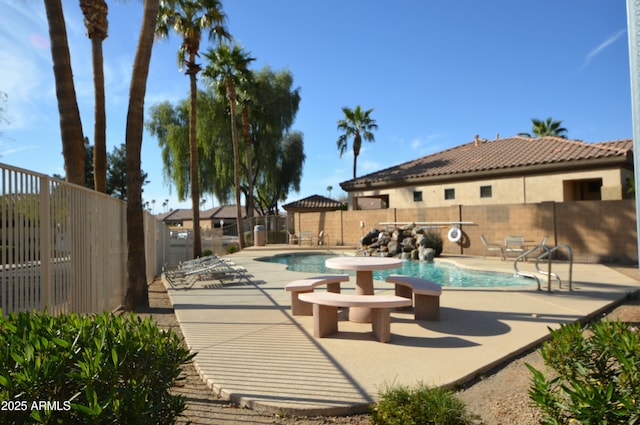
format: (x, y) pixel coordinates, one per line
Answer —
(454, 234)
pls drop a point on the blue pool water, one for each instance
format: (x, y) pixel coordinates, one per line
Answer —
(443, 273)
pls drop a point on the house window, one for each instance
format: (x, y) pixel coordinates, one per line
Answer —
(372, 202)
(417, 196)
(449, 194)
(485, 192)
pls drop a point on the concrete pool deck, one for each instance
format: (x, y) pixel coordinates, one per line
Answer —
(252, 351)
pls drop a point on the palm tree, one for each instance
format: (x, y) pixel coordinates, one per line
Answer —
(95, 19)
(357, 124)
(70, 123)
(189, 18)
(245, 100)
(137, 294)
(229, 67)
(549, 127)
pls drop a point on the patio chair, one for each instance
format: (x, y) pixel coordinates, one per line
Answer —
(514, 244)
(491, 246)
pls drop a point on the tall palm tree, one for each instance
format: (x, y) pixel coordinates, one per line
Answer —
(229, 67)
(548, 127)
(246, 100)
(70, 123)
(189, 18)
(137, 294)
(95, 19)
(359, 125)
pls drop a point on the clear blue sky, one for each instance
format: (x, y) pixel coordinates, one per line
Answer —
(435, 72)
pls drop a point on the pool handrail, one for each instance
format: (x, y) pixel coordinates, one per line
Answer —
(546, 253)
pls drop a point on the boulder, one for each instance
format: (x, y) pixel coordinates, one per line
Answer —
(408, 244)
(426, 254)
(393, 247)
(370, 237)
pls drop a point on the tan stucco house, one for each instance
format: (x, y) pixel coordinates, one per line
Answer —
(209, 219)
(513, 170)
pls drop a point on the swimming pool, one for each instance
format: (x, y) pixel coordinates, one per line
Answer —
(443, 273)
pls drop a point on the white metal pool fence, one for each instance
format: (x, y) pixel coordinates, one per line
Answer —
(63, 248)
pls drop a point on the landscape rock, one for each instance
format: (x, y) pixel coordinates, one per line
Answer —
(407, 239)
(426, 254)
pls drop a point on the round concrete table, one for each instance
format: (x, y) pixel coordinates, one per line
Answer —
(364, 267)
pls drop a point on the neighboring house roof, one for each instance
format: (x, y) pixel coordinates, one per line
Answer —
(226, 212)
(313, 203)
(175, 215)
(512, 155)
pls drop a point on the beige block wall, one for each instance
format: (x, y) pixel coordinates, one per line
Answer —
(596, 230)
(495, 222)
(599, 230)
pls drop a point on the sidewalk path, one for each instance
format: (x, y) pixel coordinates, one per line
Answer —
(254, 353)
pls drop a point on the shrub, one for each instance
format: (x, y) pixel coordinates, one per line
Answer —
(232, 248)
(422, 405)
(596, 377)
(433, 240)
(89, 369)
(207, 253)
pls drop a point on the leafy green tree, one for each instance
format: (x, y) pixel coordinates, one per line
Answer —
(286, 174)
(358, 124)
(274, 105)
(548, 127)
(171, 126)
(189, 18)
(117, 173)
(88, 165)
(95, 19)
(228, 67)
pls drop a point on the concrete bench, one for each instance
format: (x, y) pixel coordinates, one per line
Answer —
(299, 308)
(325, 311)
(425, 292)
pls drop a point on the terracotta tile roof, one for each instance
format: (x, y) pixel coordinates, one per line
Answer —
(501, 156)
(625, 144)
(176, 215)
(313, 202)
(224, 212)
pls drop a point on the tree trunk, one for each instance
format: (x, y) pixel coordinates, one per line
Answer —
(100, 138)
(247, 141)
(193, 153)
(70, 124)
(355, 160)
(137, 296)
(231, 93)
